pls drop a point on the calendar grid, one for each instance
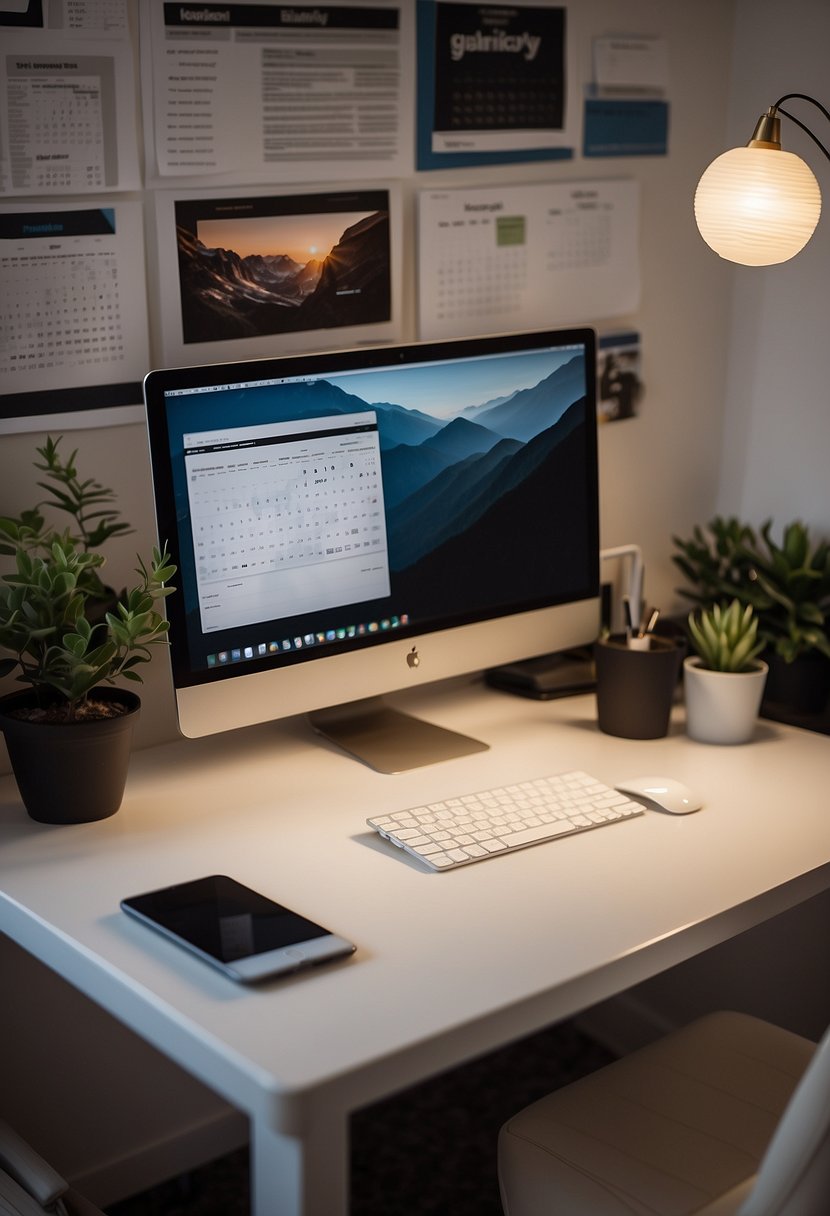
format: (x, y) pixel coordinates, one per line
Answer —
(281, 519)
(286, 511)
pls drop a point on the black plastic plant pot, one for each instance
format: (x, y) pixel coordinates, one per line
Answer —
(70, 772)
(802, 686)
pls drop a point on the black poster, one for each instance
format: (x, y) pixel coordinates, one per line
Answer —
(499, 68)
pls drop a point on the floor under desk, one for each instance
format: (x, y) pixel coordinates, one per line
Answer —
(430, 1151)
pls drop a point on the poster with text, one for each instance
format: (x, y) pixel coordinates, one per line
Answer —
(267, 92)
(491, 83)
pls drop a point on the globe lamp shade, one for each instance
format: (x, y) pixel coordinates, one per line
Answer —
(757, 206)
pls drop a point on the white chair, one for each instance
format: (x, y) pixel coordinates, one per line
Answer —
(729, 1116)
(30, 1187)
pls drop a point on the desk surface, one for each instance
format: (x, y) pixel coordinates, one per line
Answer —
(448, 965)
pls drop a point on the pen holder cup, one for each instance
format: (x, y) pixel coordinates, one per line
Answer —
(635, 687)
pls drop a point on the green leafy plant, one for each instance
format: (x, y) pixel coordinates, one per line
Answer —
(94, 518)
(787, 584)
(58, 650)
(726, 639)
(51, 622)
(790, 590)
(717, 561)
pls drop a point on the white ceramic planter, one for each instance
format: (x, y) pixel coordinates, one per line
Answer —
(722, 706)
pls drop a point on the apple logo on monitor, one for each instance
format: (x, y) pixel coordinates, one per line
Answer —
(413, 659)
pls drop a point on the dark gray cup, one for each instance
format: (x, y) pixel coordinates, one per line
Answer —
(635, 688)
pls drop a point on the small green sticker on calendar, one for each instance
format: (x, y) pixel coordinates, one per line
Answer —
(510, 230)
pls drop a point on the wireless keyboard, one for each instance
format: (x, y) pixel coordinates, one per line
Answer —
(490, 823)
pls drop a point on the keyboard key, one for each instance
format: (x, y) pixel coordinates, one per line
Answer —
(458, 855)
(545, 831)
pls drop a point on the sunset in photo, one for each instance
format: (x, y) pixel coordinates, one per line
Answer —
(255, 266)
(301, 237)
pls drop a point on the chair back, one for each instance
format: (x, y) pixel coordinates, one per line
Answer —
(794, 1175)
(30, 1187)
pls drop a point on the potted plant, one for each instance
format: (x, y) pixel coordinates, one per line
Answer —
(69, 734)
(788, 586)
(791, 595)
(724, 679)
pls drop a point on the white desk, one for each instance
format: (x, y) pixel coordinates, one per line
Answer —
(448, 965)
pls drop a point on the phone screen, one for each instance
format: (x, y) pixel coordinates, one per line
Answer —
(228, 923)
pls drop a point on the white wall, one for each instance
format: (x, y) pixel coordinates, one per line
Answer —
(659, 472)
(777, 417)
(774, 457)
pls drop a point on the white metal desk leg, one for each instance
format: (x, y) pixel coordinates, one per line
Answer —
(309, 1177)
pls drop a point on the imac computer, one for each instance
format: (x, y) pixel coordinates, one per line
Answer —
(349, 524)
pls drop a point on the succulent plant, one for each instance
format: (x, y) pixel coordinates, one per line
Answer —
(726, 638)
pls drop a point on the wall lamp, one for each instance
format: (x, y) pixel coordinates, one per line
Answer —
(759, 205)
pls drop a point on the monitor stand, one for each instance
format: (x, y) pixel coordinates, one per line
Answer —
(386, 739)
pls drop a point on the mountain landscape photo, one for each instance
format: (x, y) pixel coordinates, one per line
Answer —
(228, 295)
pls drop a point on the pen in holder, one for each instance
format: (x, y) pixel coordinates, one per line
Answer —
(636, 680)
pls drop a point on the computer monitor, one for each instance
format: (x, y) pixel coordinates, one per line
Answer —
(349, 524)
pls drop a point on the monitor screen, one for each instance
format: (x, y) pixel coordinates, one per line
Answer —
(348, 524)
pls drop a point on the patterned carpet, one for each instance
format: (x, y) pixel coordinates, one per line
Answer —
(428, 1152)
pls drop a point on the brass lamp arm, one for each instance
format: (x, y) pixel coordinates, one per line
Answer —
(803, 97)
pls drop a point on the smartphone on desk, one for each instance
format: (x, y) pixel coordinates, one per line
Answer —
(246, 935)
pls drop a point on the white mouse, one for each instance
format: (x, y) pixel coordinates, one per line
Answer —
(664, 793)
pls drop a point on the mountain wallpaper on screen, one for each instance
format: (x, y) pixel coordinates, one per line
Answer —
(225, 296)
(484, 507)
(488, 509)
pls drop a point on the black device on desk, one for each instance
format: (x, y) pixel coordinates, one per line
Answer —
(246, 935)
(549, 676)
